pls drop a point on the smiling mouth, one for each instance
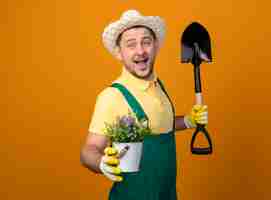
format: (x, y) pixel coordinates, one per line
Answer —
(144, 61)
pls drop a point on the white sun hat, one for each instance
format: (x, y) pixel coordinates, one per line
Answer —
(129, 19)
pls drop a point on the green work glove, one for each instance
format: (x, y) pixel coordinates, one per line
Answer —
(109, 164)
(198, 115)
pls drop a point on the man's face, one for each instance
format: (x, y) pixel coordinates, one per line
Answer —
(137, 51)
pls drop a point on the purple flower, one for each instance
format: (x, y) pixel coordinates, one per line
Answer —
(127, 121)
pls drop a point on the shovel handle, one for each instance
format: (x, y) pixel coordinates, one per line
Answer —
(199, 98)
(201, 151)
(201, 129)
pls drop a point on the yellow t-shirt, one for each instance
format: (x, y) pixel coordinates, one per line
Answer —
(111, 103)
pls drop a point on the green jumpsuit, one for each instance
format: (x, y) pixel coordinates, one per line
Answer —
(156, 179)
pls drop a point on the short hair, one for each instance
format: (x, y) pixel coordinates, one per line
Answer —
(138, 26)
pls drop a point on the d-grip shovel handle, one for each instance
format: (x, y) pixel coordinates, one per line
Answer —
(196, 150)
(196, 61)
(200, 127)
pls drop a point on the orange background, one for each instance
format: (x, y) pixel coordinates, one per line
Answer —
(53, 65)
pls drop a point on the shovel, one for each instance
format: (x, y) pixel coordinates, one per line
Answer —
(196, 48)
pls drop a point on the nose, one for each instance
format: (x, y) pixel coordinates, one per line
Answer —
(140, 49)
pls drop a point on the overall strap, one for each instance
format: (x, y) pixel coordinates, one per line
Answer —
(163, 88)
(133, 103)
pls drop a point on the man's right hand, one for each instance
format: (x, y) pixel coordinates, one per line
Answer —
(109, 164)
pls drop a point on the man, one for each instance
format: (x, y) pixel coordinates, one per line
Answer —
(135, 40)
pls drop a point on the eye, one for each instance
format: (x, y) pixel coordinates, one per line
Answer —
(147, 42)
(131, 45)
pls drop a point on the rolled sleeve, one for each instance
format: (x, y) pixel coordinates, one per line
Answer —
(108, 106)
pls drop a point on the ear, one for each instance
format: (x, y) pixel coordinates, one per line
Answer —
(118, 53)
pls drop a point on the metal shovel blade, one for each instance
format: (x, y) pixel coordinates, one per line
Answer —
(195, 34)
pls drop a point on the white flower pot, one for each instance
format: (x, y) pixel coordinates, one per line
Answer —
(130, 161)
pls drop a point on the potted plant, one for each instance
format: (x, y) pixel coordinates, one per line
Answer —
(128, 133)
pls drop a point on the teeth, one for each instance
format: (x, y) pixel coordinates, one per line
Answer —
(138, 61)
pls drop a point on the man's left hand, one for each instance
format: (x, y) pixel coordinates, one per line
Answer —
(198, 115)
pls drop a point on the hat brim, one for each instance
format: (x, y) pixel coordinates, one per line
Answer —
(113, 30)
